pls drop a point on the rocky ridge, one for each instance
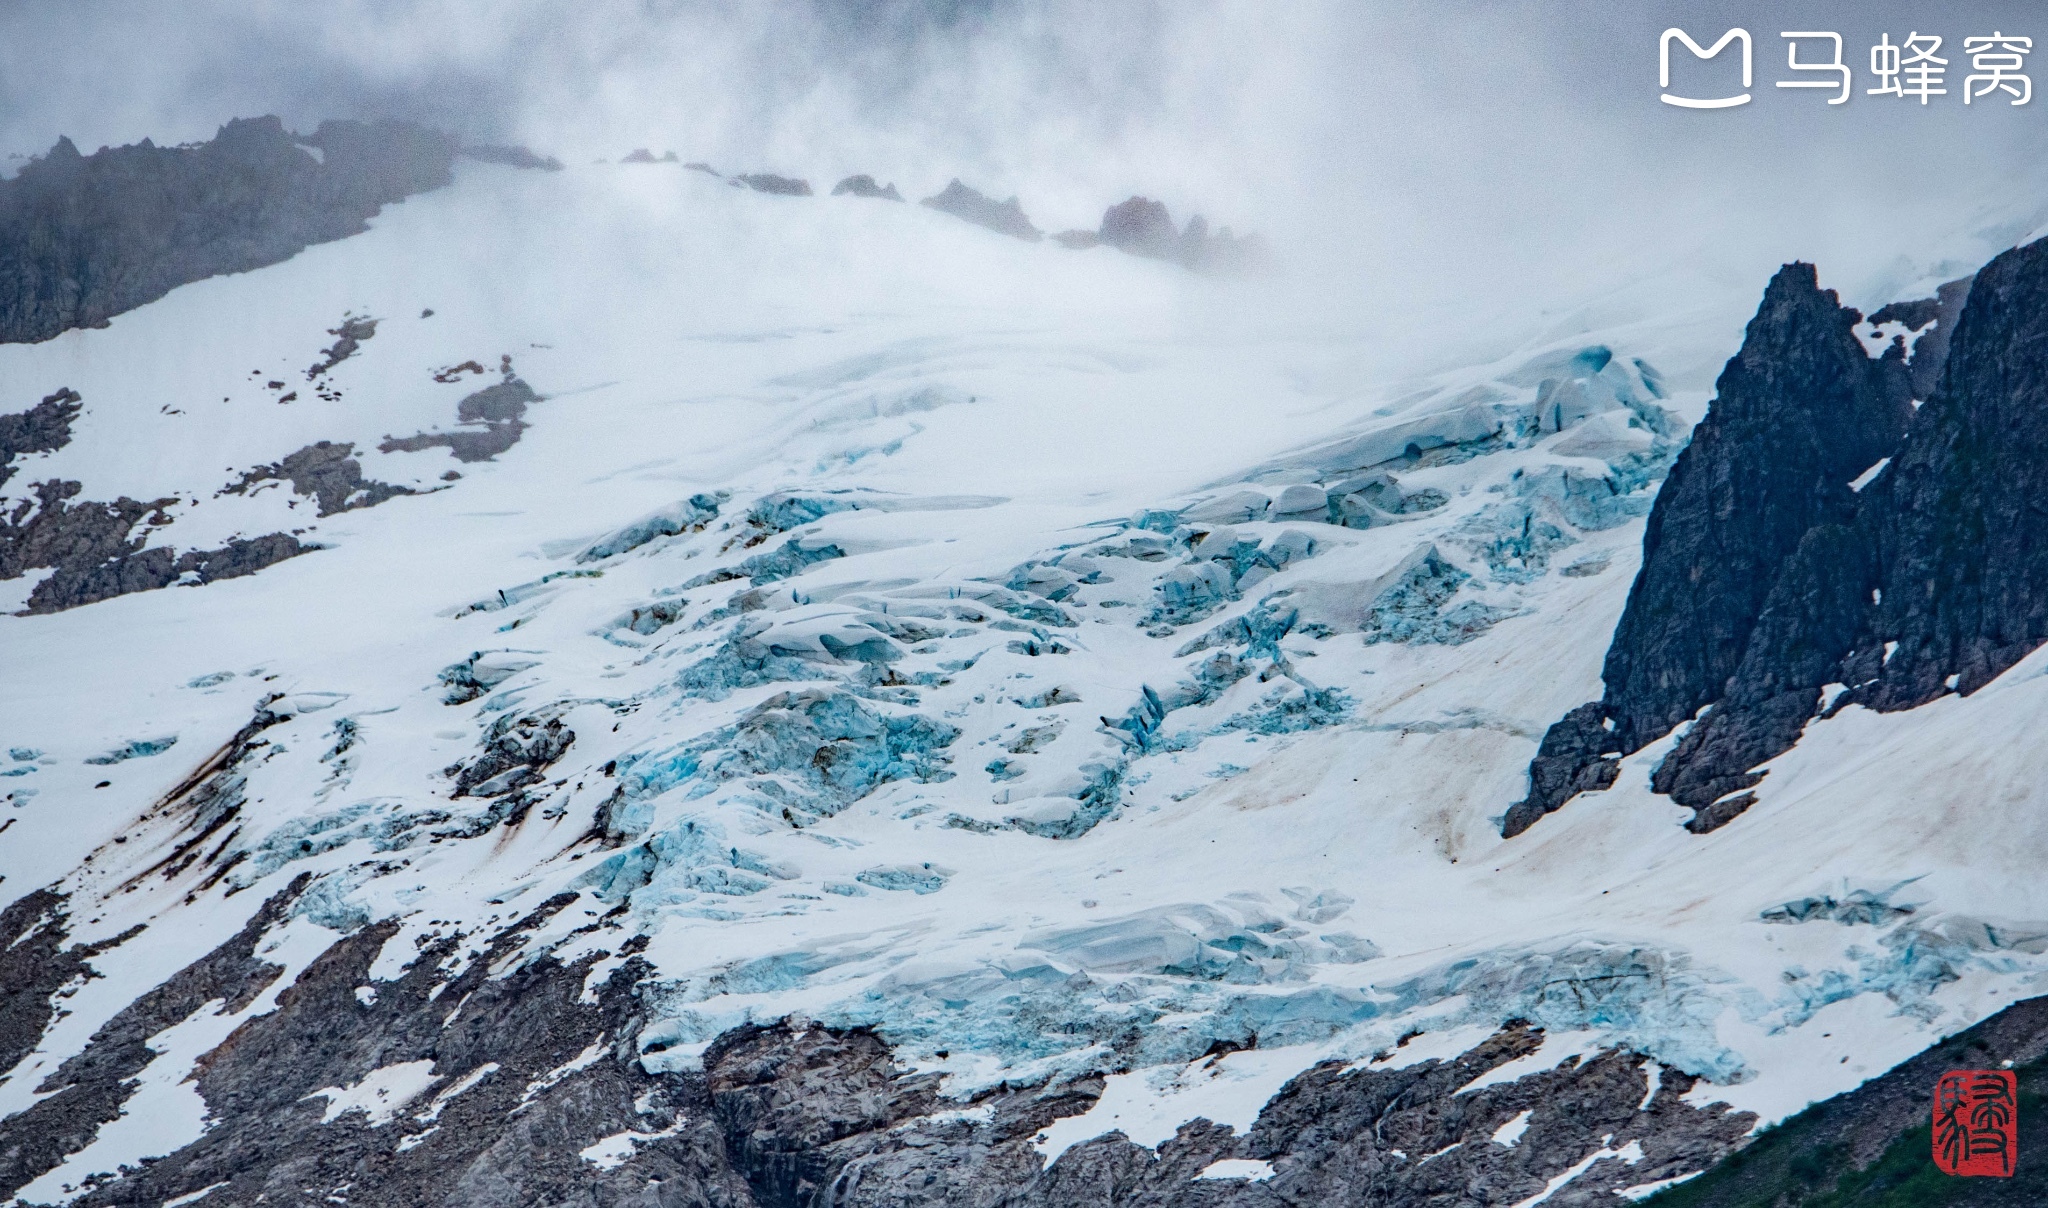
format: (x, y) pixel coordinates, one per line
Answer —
(1772, 544)
(85, 237)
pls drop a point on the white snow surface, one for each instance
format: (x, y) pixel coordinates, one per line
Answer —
(381, 1094)
(1252, 1170)
(1307, 855)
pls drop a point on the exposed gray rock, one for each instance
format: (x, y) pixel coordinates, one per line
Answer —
(1799, 412)
(529, 1073)
(1002, 217)
(90, 1087)
(495, 415)
(1934, 585)
(768, 182)
(34, 965)
(512, 1136)
(348, 338)
(1930, 350)
(94, 555)
(1143, 227)
(864, 185)
(43, 428)
(85, 238)
(327, 472)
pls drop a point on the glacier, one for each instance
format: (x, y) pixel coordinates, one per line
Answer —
(1038, 673)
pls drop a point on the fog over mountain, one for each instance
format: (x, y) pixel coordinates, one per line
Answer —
(938, 605)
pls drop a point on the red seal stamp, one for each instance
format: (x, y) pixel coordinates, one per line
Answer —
(1976, 1122)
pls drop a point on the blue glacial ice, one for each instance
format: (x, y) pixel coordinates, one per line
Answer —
(140, 748)
(809, 752)
(914, 878)
(687, 516)
(792, 557)
(1411, 609)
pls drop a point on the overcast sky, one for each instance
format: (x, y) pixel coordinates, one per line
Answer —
(1401, 142)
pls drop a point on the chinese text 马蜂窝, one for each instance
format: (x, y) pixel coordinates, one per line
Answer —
(1912, 69)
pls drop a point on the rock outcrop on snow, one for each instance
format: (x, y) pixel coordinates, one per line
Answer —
(863, 185)
(1143, 227)
(1828, 540)
(969, 205)
(85, 237)
(492, 420)
(326, 472)
(43, 428)
(769, 182)
(94, 552)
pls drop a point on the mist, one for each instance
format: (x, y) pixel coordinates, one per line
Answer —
(1473, 163)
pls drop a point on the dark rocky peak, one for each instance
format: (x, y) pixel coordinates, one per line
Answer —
(85, 238)
(863, 185)
(1003, 217)
(1774, 591)
(1938, 585)
(768, 182)
(1144, 227)
(1141, 227)
(641, 155)
(1957, 518)
(1799, 413)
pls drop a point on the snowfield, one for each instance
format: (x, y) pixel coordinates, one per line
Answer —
(1056, 660)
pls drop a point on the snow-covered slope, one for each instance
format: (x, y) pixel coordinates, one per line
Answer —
(880, 622)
